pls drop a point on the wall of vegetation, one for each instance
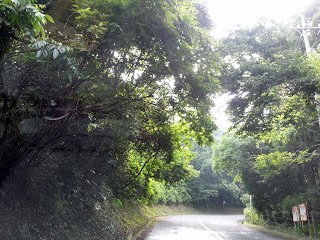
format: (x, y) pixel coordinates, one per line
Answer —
(101, 103)
(273, 148)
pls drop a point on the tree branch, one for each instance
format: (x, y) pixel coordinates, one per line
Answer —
(138, 174)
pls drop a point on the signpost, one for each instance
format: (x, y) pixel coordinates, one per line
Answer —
(303, 212)
(295, 214)
(300, 214)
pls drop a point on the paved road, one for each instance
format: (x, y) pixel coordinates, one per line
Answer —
(204, 227)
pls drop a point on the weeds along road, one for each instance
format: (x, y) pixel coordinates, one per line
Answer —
(203, 227)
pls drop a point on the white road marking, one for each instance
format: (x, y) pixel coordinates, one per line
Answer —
(213, 232)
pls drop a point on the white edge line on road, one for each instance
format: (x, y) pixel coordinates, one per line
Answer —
(214, 233)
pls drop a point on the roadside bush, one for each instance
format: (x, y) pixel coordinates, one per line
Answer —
(290, 201)
(245, 199)
(253, 216)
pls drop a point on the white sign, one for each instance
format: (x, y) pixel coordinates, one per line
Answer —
(295, 214)
(303, 212)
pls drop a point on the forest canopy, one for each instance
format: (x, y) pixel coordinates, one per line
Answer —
(120, 88)
(273, 147)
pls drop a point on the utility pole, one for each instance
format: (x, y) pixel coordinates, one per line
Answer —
(305, 29)
(305, 34)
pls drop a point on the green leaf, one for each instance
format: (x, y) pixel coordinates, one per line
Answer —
(49, 18)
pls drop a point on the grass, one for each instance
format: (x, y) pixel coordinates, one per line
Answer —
(255, 220)
(279, 231)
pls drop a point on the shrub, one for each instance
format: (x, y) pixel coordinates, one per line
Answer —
(253, 216)
(290, 201)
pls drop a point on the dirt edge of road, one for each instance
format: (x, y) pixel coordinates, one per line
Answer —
(144, 231)
(276, 233)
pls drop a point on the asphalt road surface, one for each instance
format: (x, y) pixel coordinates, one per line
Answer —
(203, 227)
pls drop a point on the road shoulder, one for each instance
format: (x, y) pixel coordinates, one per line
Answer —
(275, 233)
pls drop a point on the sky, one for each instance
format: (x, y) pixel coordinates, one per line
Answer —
(228, 14)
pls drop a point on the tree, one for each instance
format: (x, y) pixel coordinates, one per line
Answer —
(257, 170)
(211, 189)
(19, 20)
(137, 70)
(273, 85)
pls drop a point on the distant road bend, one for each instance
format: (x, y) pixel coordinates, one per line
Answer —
(203, 227)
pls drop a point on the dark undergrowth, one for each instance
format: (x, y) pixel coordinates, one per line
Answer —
(34, 207)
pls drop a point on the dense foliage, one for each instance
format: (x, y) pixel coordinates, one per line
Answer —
(211, 189)
(119, 90)
(108, 94)
(274, 147)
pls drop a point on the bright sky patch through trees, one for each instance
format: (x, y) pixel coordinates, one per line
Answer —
(230, 13)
